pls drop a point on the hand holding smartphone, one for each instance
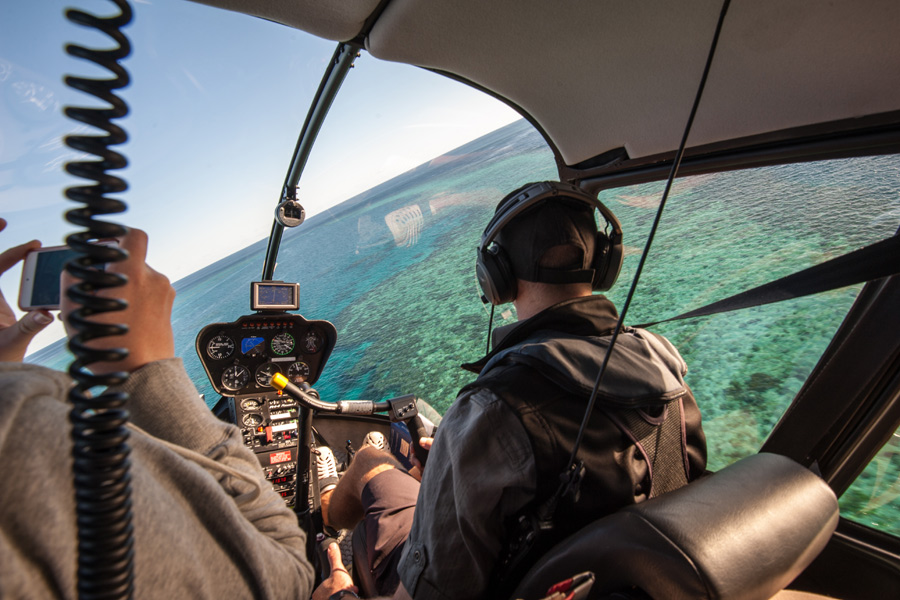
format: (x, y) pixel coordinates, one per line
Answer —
(40, 276)
(16, 333)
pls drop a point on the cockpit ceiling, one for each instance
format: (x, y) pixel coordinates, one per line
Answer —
(338, 20)
(598, 76)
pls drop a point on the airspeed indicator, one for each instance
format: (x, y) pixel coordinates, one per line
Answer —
(282, 344)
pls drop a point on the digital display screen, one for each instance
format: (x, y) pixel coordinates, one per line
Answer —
(276, 295)
(279, 457)
(45, 291)
(248, 344)
(279, 480)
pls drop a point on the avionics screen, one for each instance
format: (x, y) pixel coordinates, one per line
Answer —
(280, 296)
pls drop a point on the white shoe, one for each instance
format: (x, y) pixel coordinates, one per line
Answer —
(326, 469)
(375, 439)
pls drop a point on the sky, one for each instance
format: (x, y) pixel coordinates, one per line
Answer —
(217, 101)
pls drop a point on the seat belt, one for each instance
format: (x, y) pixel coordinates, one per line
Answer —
(881, 259)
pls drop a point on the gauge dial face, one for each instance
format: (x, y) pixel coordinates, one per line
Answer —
(220, 347)
(312, 341)
(298, 372)
(250, 404)
(264, 373)
(282, 344)
(235, 377)
(253, 346)
(252, 420)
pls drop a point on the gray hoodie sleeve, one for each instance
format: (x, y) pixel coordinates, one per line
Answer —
(263, 538)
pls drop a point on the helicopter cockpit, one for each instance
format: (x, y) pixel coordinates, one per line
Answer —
(749, 150)
(244, 360)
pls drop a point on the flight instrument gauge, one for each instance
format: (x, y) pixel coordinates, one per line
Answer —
(235, 377)
(250, 404)
(282, 344)
(312, 341)
(264, 373)
(252, 420)
(253, 346)
(220, 347)
(298, 372)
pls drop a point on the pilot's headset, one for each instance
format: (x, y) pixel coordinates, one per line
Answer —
(494, 269)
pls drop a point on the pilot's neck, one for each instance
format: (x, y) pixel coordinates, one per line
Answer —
(532, 297)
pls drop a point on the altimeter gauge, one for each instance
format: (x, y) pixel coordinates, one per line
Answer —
(264, 374)
(235, 377)
(220, 347)
(282, 344)
(298, 372)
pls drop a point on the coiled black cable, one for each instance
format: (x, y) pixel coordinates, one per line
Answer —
(100, 439)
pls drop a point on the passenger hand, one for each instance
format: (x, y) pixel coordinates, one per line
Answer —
(148, 316)
(338, 580)
(16, 335)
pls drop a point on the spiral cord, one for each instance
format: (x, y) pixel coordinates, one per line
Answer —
(100, 438)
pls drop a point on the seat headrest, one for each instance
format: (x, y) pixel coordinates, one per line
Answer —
(742, 533)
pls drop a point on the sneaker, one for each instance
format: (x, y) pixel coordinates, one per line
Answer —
(326, 469)
(375, 439)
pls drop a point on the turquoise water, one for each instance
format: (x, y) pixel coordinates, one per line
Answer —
(405, 301)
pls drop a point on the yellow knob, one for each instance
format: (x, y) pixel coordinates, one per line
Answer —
(279, 381)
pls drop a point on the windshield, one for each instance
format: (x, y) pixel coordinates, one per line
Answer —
(212, 125)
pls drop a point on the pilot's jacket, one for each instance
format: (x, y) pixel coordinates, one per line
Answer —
(206, 523)
(502, 446)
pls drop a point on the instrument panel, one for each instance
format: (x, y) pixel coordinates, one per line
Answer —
(270, 427)
(241, 357)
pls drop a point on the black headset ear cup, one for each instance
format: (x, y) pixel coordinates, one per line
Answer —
(608, 256)
(495, 275)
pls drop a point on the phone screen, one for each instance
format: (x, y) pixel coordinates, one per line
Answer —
(48, 268)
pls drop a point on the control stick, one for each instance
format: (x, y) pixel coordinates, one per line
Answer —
(400, 409)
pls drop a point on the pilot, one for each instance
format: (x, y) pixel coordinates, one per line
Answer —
(206, 523)
(501, 449)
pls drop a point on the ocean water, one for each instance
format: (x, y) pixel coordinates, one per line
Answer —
(393, 269)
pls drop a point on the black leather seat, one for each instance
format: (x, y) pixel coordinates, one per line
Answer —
(742, 533)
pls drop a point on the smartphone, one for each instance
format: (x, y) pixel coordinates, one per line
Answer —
(40, 276)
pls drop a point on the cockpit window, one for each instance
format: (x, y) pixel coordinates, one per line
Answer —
(393, 269)
(874, 498)
(729, 232)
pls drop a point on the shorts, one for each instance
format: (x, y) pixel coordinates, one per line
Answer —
(389, 502)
